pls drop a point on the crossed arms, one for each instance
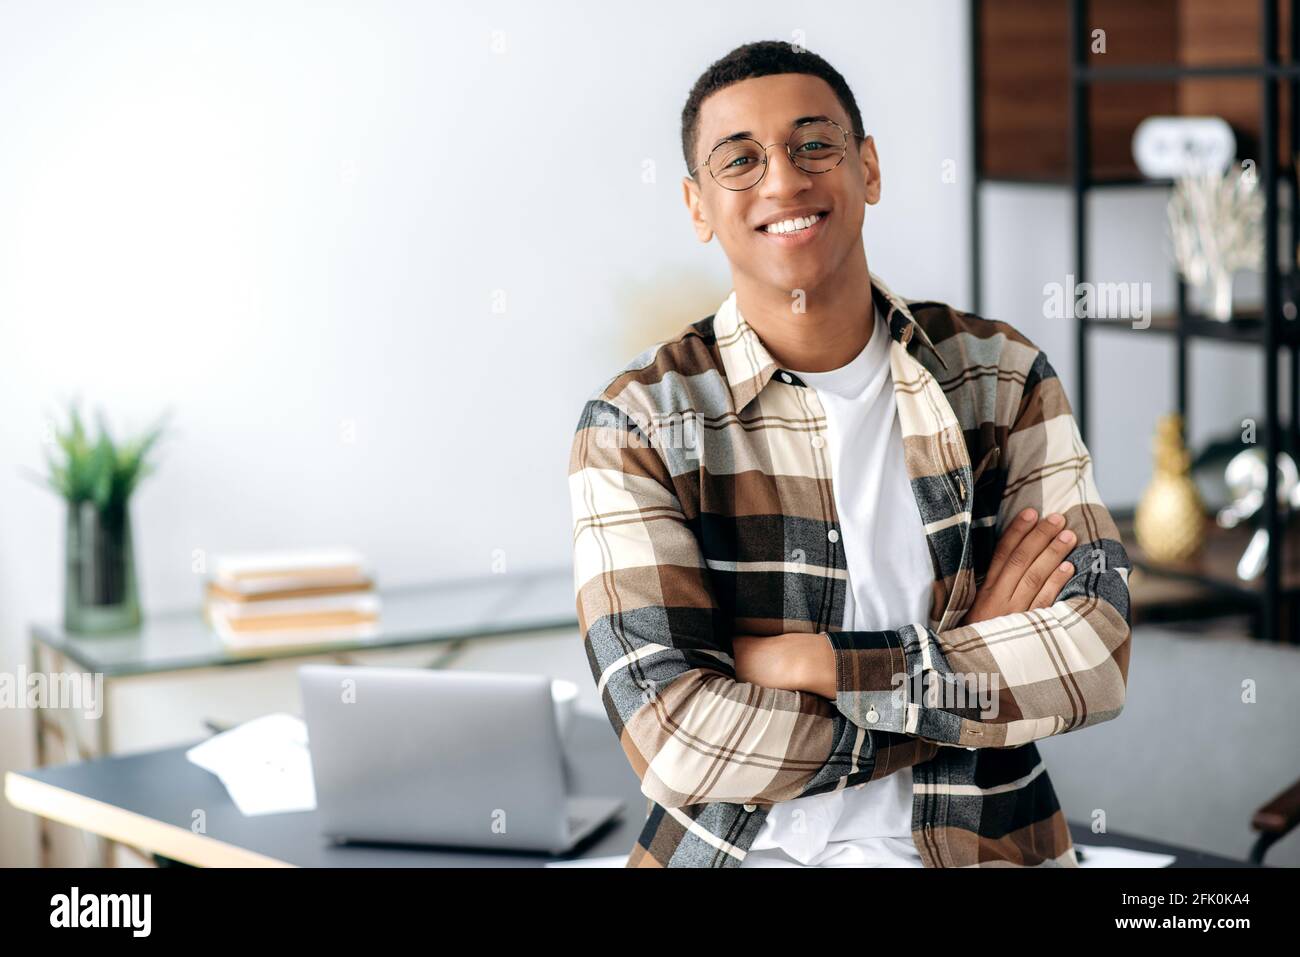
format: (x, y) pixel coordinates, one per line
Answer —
(696, 731)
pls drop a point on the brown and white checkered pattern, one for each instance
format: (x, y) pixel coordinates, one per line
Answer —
(703, 508)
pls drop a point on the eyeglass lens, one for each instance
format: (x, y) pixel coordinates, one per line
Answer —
(739, 164)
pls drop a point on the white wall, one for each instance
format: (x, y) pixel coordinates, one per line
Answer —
(288, 223)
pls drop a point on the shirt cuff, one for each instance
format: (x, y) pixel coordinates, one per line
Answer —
(874, 671)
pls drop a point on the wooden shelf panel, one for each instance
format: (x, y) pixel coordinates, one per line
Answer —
(1216, 565)
(1247, 327)
(1024, 80)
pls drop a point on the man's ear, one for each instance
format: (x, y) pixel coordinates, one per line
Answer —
(870, 169)
(695, 203)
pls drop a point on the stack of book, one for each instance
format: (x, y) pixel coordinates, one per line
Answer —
(292, 599)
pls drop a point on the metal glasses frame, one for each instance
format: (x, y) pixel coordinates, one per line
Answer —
(736, 189)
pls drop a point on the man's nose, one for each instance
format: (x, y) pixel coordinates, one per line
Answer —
(782, 176)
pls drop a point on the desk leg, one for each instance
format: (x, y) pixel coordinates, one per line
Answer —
(49, 662)
(107, 857)
(39, 720)
(448, 653)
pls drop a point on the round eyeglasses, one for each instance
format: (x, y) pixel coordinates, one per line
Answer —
(741, 163)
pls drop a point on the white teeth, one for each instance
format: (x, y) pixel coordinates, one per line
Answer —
(791, 225)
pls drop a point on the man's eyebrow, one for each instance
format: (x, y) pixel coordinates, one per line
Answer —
(743, 134)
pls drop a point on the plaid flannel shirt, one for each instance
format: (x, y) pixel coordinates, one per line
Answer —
(703, 508)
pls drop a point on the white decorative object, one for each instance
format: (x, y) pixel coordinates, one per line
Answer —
(1216, 227)
(1166, 147)
(1247, 480)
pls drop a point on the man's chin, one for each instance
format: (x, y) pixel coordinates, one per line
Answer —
(790, 280)
(790, 269)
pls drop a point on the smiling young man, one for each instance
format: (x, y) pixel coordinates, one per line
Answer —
(839, 556)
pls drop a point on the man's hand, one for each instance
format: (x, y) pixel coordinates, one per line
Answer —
(1027, 570)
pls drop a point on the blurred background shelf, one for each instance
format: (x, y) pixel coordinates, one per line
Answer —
(1161, 57)
(1206, 586)
(1246, 327)
(1052, 108)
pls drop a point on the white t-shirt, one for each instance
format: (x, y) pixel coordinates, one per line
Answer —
(889, 585)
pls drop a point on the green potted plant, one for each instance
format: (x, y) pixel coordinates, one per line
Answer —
(96, 479)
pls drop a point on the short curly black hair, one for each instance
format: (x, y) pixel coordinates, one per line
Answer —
(761, 58)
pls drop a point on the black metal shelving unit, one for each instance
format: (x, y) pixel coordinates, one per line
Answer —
(1268, 329)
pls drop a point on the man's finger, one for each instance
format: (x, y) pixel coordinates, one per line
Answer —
(1036, 575)
(1012, 537)
(1032, 545)
(1052, 587)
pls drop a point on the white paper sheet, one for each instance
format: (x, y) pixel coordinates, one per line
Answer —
(618, 860)
(1095, 856)
(264, 764)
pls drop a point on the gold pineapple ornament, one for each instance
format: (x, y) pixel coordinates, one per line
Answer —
(1169, 521)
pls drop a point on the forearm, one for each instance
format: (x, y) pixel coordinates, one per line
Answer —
(995, 683)
(698, 735)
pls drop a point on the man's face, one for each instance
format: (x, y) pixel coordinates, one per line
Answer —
(767, 107)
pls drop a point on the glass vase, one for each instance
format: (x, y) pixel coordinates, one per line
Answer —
(1221, 295)
(100, 592)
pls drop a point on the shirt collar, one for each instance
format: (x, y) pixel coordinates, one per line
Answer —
(748, 364)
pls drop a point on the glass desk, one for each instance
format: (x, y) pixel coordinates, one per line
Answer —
(446, 614)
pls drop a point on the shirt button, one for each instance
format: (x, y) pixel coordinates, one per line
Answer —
(818, 441)
(833, 535)
(872, 716)
(751, 807)
(785, 377)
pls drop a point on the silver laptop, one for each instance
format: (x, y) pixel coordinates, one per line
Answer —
(450, 757)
